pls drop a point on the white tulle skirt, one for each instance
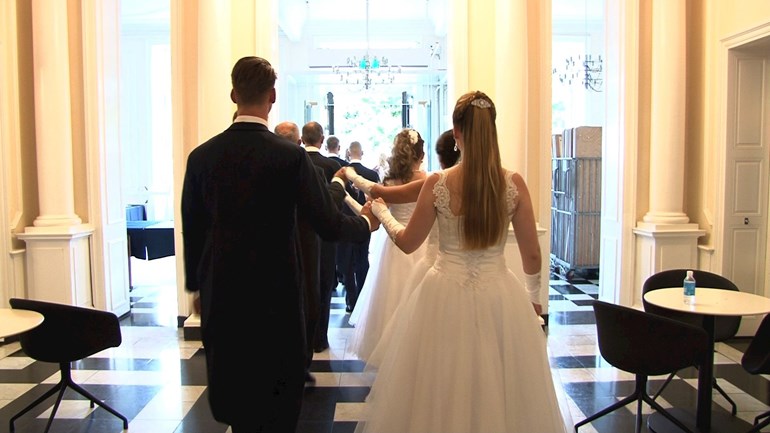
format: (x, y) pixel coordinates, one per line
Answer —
(387, 284)
(376, 244)
(456, 359)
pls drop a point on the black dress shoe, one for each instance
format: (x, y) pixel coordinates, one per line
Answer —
(320, 348)
(348, 309)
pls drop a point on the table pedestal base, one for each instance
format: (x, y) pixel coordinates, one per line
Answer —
(721, 422)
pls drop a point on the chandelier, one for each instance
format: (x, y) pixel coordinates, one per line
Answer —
(586, 70)
(368, 70)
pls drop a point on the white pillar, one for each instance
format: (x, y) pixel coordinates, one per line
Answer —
(666, 239)
(58, 254)
(215, 62)
(457, 53)
(667, 168)
(266, 46)
(215, 109)
(53, 125)
(512, 83)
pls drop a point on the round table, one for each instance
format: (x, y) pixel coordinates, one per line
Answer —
(709, 303)
(712, 302)
(14, 322)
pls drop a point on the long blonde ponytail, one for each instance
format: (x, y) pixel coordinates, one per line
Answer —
(485, 216)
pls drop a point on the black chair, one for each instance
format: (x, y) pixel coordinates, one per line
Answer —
(756, 360)
(68, 333)
(725, 327)
(646, 345)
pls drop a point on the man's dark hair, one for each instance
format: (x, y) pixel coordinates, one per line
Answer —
(252, 78)
(333, 143)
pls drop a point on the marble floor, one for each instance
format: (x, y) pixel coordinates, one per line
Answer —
(156, 378)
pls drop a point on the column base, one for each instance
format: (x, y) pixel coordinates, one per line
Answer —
(58, 264)
(664, 246)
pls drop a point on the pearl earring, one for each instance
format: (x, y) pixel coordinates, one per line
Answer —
(455, 148)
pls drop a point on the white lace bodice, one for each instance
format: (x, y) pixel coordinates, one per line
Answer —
(473, 266)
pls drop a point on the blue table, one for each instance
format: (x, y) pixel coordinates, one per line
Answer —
(149, 240)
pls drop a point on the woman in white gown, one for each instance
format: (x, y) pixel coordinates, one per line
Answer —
(448, 155)
(466, 352)
(385, 283)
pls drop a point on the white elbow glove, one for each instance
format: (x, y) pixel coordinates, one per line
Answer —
(359, 181)
(353, 204)
(532, 286)
(392, 226)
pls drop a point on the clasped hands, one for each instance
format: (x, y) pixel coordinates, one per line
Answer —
(369, 210)
(366, 208)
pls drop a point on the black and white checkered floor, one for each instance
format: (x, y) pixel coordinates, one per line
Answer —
(157, 379)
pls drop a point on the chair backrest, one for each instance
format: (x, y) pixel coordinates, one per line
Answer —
(136, 212)
(725, 327)
(647, 344)
(756, 358)
(68, 333)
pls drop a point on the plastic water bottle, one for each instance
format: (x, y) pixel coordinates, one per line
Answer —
(689, 289)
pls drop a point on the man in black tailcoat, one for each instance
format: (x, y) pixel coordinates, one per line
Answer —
(353, 257)
(313, 138)
(241, 193)
(333, 152)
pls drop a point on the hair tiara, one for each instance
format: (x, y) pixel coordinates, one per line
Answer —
(481, 103)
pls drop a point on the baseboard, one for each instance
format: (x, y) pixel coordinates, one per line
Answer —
(192, 328)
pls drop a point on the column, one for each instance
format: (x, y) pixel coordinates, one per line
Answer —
(669, 56)
(57, 259)
(52, 114)
(215, 110)
(266, 44)
(215, 62)
(512, 83)
(665, 238)
(457, 53)
(511, 93)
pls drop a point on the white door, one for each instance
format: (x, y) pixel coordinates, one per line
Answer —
(746, 175)
(109, 255)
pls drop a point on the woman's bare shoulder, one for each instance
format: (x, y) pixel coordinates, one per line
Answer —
(518, 181)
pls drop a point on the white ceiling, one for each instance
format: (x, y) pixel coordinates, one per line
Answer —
(345, 17)
(325, 15)
(324, 33)
(342, 17)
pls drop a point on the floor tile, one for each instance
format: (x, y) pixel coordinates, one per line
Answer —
(158, 379)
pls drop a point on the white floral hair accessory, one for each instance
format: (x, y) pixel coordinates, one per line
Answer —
(413, 136)
(481, 103)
